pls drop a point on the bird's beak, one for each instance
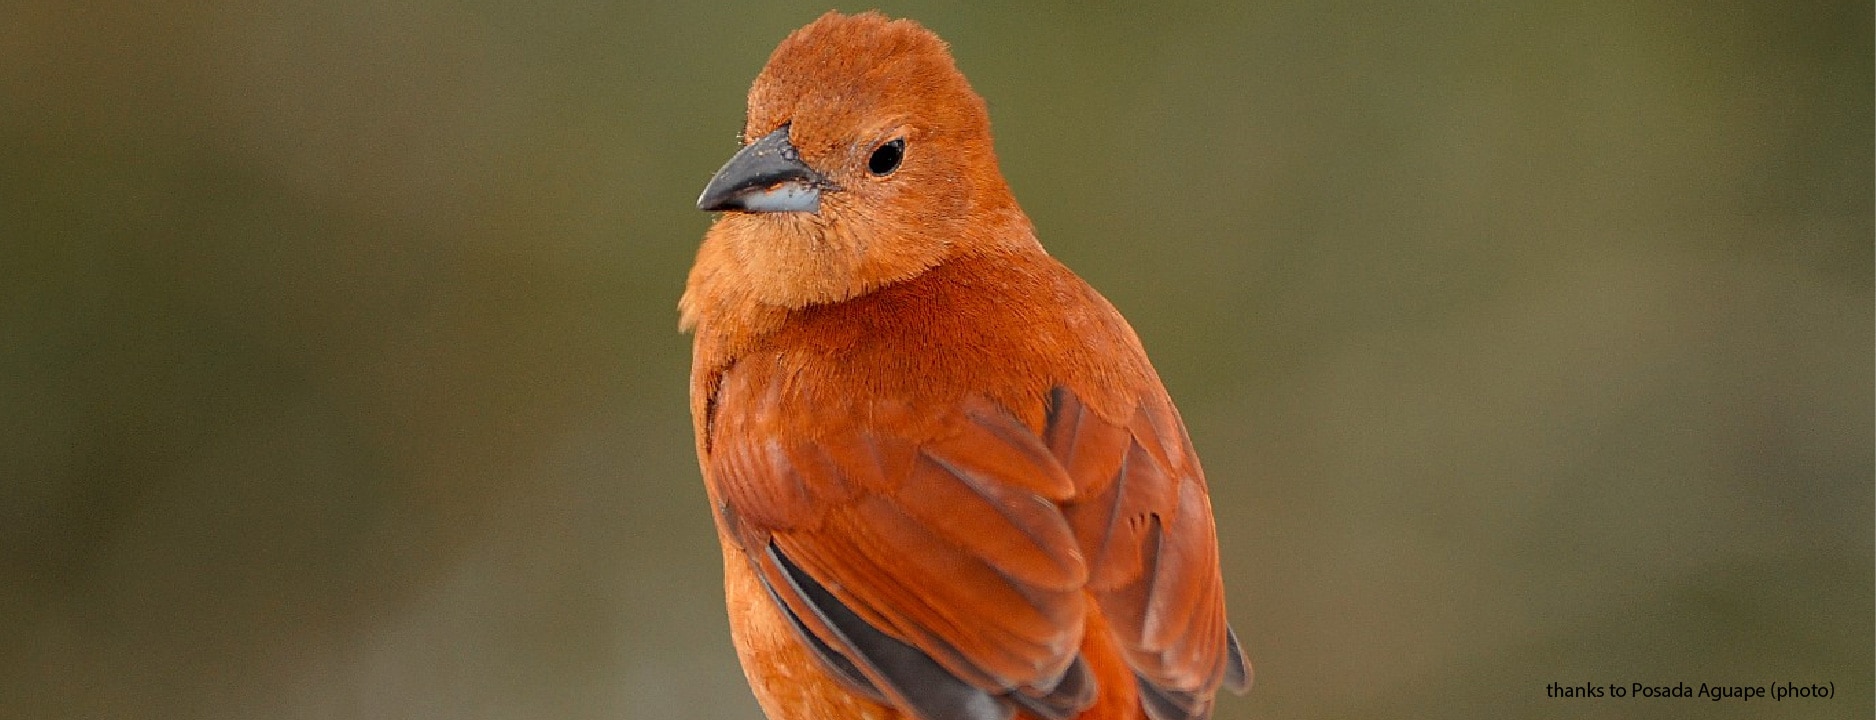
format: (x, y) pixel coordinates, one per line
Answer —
(765, 176)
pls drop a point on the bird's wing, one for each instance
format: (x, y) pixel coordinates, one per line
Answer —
(1144, 522)
(949, 573)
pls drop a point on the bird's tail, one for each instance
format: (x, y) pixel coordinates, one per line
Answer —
(1119, 695)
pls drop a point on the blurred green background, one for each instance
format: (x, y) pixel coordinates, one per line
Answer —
(1524, 343)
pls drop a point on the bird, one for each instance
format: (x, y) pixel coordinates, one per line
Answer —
(947, 482)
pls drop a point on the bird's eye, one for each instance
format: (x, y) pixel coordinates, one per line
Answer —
(886, 157)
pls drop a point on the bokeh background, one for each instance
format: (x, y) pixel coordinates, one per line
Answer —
(1524, 343)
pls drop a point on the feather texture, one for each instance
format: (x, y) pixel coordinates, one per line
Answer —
(948, 482)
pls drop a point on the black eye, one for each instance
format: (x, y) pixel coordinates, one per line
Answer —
(886, 157)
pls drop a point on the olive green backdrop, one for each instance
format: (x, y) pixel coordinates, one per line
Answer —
(340, 378)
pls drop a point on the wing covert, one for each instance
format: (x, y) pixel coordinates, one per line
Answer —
(949, 572)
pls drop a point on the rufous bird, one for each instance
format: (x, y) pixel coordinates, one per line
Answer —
(947, 482)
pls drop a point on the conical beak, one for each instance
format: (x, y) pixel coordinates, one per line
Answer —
(765, 176)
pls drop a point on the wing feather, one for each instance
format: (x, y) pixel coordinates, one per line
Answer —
(949, 573)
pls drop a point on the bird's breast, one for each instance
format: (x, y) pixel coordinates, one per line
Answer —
(1004, 329)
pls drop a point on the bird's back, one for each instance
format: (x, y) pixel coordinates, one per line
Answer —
(920, 365)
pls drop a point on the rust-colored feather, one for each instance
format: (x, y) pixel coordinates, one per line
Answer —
(948, 483)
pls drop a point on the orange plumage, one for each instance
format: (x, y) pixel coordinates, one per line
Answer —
(948, 484)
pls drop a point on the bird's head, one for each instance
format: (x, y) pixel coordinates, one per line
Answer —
(866, 159)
